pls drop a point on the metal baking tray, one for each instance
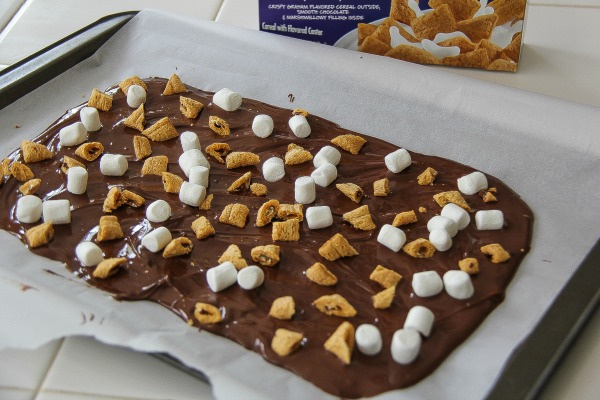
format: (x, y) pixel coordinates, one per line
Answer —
(531, 363)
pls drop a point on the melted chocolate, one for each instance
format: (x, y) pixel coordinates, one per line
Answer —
(179, 283)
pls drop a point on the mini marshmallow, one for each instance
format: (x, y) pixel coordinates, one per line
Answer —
(273, 169)
(456, 214)
(57, 211)
(319, 217)
(90, 118)
(157, 239)
(222, 276)
(427, 283)
(250, 277)
(192, 194)
(299, 125)
(189, 140)
(441, 239)
(89, 254)
(368, 339)
(262, 125)
(158, 211)
(136, 96)
(406, 345)
(398, 160)
(391, 237)
(324, 174)
(29, 209)
(113, 164)
(458, 284)
(72, 135)
(489, 220)
(199, 175)
(227, 99)
(305, 191)
(327, 154)
(439, 222)
(472, 183)
(191, 158)
(77, 179)
(420, 319)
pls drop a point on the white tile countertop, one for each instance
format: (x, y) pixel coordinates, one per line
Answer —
(560, 57)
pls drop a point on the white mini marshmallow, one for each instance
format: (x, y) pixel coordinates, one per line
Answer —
(227, 99)
(90, 118)
(398, 160)
(157, 239)
(57, 211)
(192, 194)
(189, 140)
(158, 211)
(458, 284)
(29, 209)
(113, 164)
(406, 345)
(262, 125)
(222, 276)
(199, 175)
(368, 339)
(456, 214)
(305, 191)
(250, 277)
(319, 217)
(72, 135)
(324, 174)
(427, 283)
(472, 183)
(420, 319)
(136, 96)
(273, 169)
(440, 239)
(300, 126)
(327, 154)
(391, 237)
(89, 254)
(439, 222)
(191, 158)
(489, 220)
(77, 179)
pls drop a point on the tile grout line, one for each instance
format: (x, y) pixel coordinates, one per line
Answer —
(16, 16)
(45, 377)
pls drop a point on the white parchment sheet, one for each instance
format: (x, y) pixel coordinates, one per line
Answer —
(546, 149)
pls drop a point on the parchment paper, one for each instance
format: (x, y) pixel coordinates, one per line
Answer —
(546, 149)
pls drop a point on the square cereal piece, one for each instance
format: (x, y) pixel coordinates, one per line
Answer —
(202, 228)
(412, 54)
(452, 196)
(267, 212)
(40, 235)
(20, 171)
(68, 162)
(238, 159)
(283, 308)
(427, 177)
(341, 342)
(266, 255)
(385, 277)
(90, 151)
(296, 155)
(155, 165)
(337, 247)
(205, 206)
(142, 147)
(171, 182)
(461, 9)
(351, 190)
(400, 11)
(100, 100)
(508, 10)
(321, 275)
(381, 187)
(234, 255)
(6, 166)
(502, 65)
(291, 211)
(464, 44)
(365, 30)
(285, 342)
(34, 152)
(162, 130)
(133, 80)
(373, 45)
(335, 304)
(496, 251)
(258, 189)
(136, 119)
(108, 267)
(360, 218)
(350, 143)
(383, 299)
(234, 214)
(190, 108)
(478, 28)
(439, 20)
(405, 218)
(477, 58)
(470, 265)
(31, 186)
(174, 86)
(109, 229)
(300, 111)
(286, 231)
(419, 248)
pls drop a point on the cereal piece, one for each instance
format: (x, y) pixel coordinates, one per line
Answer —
(350, 143)
(239, 159)
(108, 267)
(360, 218)
(383, 31)
(427, 177)
(40, 235)
(341, 342)
(335, 304)
(267, 212)
(285, 342)
(291, 211)
(352, 191)
(180, 246)
(508, 10)
(162, 130)
(383, 299)
(234, 255)
(405, 218)
(205, 206)
(283, 308)
(337, 247)
(430, 24)
(381, 187)
(241, 184)
(113, 200)
(34, 152)
(400, 11)
(296, 155)
(470, 265)
(174, 86)
(132, 199)
(494, 51)
(6, 167)
(461, 9)
(266, 255)
(487, 196)
(218, 151)
(373, 45)
(465, 45)
(365, 30)
(300, 111)
(133, 80)
(190, 108)
(218, 126)
(109, 228)
(498, 253)
(513, 50)
(100, 100)
(207, 314)
(202, 228)
(412, 54)
(21, 172)
(419, 248)
(234, 214)
(502, 65)
(69, 162)
(422, 210)
(478, 58)
(258, 189)
(286, 231)
(319, 274)
(90, 151)
(452, 196)
(155, 165)
(478, 28)
(385, 277)
(136, 119)
(142, 147)
(171, 182)
(31, 186)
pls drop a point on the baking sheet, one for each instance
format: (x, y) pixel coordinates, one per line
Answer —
(543, 148)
